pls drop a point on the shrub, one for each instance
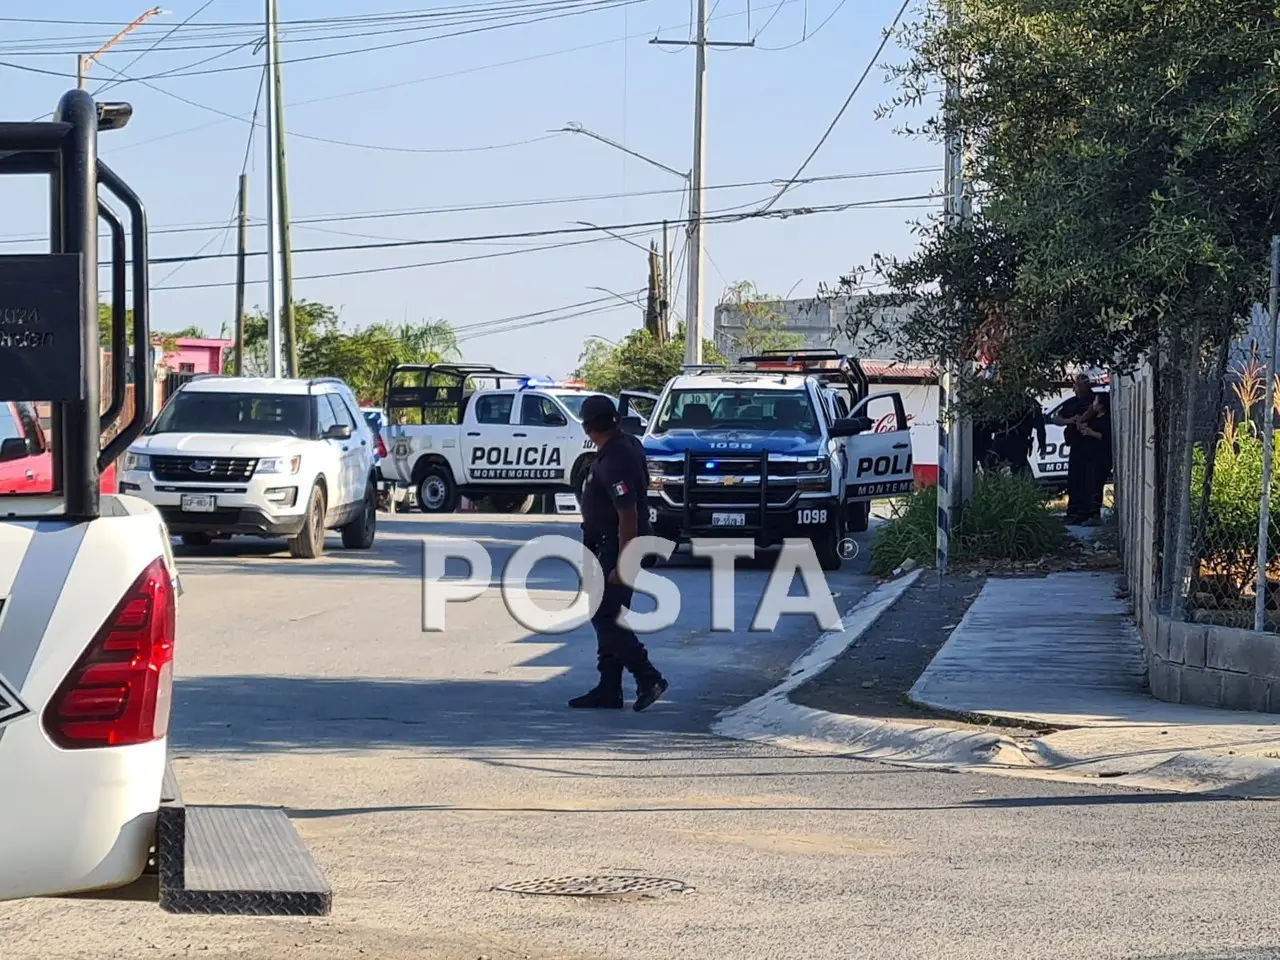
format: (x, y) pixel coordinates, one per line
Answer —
(1006, 519)
(910, 534)
(1229, 540)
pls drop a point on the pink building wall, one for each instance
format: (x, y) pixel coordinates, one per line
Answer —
(195, 355)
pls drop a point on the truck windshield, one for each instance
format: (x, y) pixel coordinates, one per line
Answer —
(217, 412)
(738, 409)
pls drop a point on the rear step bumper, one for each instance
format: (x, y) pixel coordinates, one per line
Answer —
(238, 861)
(245, 861)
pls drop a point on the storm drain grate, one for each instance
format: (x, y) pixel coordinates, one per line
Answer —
(595, 887)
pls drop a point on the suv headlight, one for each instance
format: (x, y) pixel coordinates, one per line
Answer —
(279, 465)
(137, 461)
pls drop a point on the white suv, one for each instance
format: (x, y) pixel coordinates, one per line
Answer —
(259, 457)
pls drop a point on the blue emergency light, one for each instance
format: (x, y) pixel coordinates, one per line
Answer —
(536, 382)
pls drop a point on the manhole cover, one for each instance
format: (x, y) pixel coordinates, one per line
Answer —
(595, 887)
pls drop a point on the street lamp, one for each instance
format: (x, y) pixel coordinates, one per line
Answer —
(574, 127)
(578, 128)
(85, 59)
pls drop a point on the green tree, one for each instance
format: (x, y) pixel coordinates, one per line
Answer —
(165, 338)
(362, 358)
(763, 323)
(1123, 180)
(639, 362)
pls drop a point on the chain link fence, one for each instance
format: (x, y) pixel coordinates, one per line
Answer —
(1189, 434)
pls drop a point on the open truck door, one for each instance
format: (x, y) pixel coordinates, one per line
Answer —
(635, 407)
(89, 589)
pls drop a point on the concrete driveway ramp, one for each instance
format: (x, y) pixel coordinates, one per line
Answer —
(242, 861)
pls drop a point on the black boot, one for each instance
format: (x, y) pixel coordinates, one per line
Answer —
(650, 685)
(605, 695)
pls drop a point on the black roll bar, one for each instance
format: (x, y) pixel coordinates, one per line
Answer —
(49, 348)
(74, 230)
(142, 372)
(119, 344)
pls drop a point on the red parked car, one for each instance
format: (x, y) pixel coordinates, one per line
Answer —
(26, 464)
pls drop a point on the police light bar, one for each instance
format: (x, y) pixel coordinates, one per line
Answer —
(536, 382)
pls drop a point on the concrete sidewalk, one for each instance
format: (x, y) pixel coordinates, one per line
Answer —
(1057, 652)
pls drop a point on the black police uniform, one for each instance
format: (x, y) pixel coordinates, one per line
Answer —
(618, 478)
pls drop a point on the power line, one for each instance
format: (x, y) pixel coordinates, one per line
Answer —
(715, 217)
(466, 71)
(807, 36)
(569, 8)
(173, 229)
(617, 228)
(875, 57)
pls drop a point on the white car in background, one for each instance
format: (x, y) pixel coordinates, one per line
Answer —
(232, 456)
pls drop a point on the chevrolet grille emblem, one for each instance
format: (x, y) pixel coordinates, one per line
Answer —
(730, 481)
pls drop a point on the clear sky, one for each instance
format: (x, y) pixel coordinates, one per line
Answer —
(432, 121)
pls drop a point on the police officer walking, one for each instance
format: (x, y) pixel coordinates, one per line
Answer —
(614, 514)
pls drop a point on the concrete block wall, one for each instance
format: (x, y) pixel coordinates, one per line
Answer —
(1212, 666)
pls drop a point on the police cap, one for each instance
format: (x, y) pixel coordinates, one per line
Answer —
(599, 412)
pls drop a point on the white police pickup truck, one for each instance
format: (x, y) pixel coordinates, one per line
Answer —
(89, 620)
(458, 430)
(777, 446)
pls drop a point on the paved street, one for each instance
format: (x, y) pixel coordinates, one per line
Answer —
(424, 769)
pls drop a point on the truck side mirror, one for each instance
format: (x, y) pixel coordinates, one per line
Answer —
(851, 426)
(339, 431)
(631, 425)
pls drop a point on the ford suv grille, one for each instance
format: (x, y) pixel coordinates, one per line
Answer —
(202, 469)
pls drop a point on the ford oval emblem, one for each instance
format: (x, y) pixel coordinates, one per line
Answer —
(201, 466)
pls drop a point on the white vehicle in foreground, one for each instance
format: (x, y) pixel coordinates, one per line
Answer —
(460, 430)
(89, 590)
(260, 457)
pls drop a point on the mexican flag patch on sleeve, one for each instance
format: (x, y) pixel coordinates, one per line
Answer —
(620, 489)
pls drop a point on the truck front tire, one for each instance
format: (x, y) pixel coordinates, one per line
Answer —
(827, 544)
(859, 517)
(437, 492)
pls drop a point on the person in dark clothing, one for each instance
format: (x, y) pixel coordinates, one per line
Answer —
(613, 514)
(1090, 451)
(1011, 442)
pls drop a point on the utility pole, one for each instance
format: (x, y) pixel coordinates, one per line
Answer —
(955, 433)
(286, 247)
(694, 332)
(666, 285)
(273, 190)
(241, 250)
(84, 60)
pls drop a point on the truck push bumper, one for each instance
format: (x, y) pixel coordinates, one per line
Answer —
(243, 861)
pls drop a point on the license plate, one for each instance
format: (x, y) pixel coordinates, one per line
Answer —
(728, 519)
(199, 503)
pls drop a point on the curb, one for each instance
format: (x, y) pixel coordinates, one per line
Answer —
(774, 720)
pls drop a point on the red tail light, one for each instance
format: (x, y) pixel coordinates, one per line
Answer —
(382, 448)
(120, 690)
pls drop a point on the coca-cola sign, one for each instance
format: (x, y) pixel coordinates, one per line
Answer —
(889, 422)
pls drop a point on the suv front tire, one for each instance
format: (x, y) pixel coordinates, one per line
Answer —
(309, 543)
(359, 533)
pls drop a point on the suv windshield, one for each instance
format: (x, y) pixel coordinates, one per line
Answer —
(744, 409)
(281, 415)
